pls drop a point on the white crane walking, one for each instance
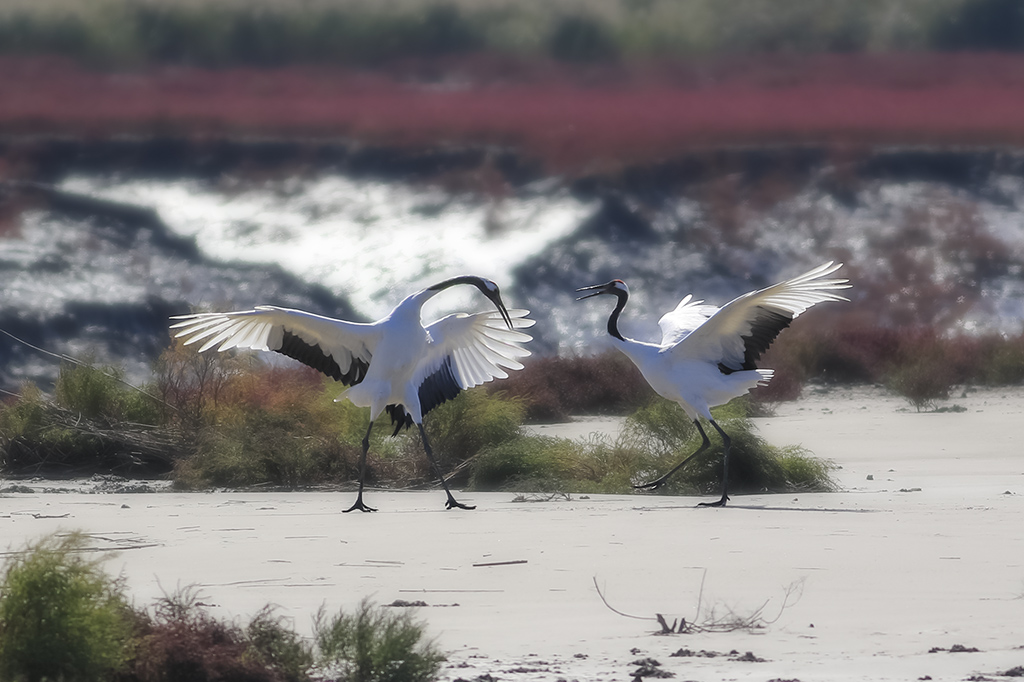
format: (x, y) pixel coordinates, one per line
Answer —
(394, 364)
(706, 355)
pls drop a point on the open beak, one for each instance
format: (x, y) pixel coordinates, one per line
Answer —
(598, 289)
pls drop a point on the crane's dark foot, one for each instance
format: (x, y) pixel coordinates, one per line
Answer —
(452, 503)
(719, 503)
(360, 505)
(653, 485)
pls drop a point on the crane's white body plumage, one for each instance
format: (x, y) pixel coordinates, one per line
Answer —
(706, 355)
(697, 338)
(393, 364)
(478, 348)
(696, 385)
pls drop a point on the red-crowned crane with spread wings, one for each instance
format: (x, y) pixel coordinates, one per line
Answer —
(394, 365)
(706, 356)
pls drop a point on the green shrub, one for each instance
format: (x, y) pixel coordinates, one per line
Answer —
(921, 370)
(1004, 365)
(754, 464)
(654, 440)
(474, 420)
(37, 435)
(536, 463)
(662, 427)
(61, 616)
(921, 381)
(64, 619)
(544, 464)
(101, 393)
(272, 425)
(805, 472)
(279, 647)
(374, 644)
(265, 447)
(23, 416)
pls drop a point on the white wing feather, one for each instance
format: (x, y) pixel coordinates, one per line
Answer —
(723, 337)
(263, 329)
(481, 346)
(687, 316)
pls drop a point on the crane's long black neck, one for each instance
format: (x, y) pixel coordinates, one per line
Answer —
(613, 319)
(486, 287)
(455, 281)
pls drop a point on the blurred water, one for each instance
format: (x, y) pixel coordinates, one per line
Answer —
(920, 251)
(371, 241)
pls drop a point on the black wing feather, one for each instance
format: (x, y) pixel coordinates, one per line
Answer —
(765, 328)
(438, 387)
(295, 347)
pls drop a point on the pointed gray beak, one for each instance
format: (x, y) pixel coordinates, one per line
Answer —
(501, 308)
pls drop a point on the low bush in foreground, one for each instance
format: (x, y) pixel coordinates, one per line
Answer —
(63, 618)
(181, 642)
(375, 645)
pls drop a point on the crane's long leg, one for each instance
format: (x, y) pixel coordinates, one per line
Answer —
(727, 443)
(658, 482)
(437, 472)
(362, 475)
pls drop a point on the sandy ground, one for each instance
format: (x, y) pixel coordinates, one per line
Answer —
(920, 555)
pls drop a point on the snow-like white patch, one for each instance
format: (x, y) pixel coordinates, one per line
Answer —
(373, 242)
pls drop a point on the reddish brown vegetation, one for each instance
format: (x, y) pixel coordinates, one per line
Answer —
(555, 389)
(195, 650)
(277, 389)
(570, 117)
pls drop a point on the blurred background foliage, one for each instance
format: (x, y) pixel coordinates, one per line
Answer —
(275, 32)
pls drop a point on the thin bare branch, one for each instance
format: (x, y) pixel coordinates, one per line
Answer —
(612, 608)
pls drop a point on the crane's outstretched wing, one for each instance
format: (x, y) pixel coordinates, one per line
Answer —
(687, 316)
(737, 335)
(468, 350)
(340, 349)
